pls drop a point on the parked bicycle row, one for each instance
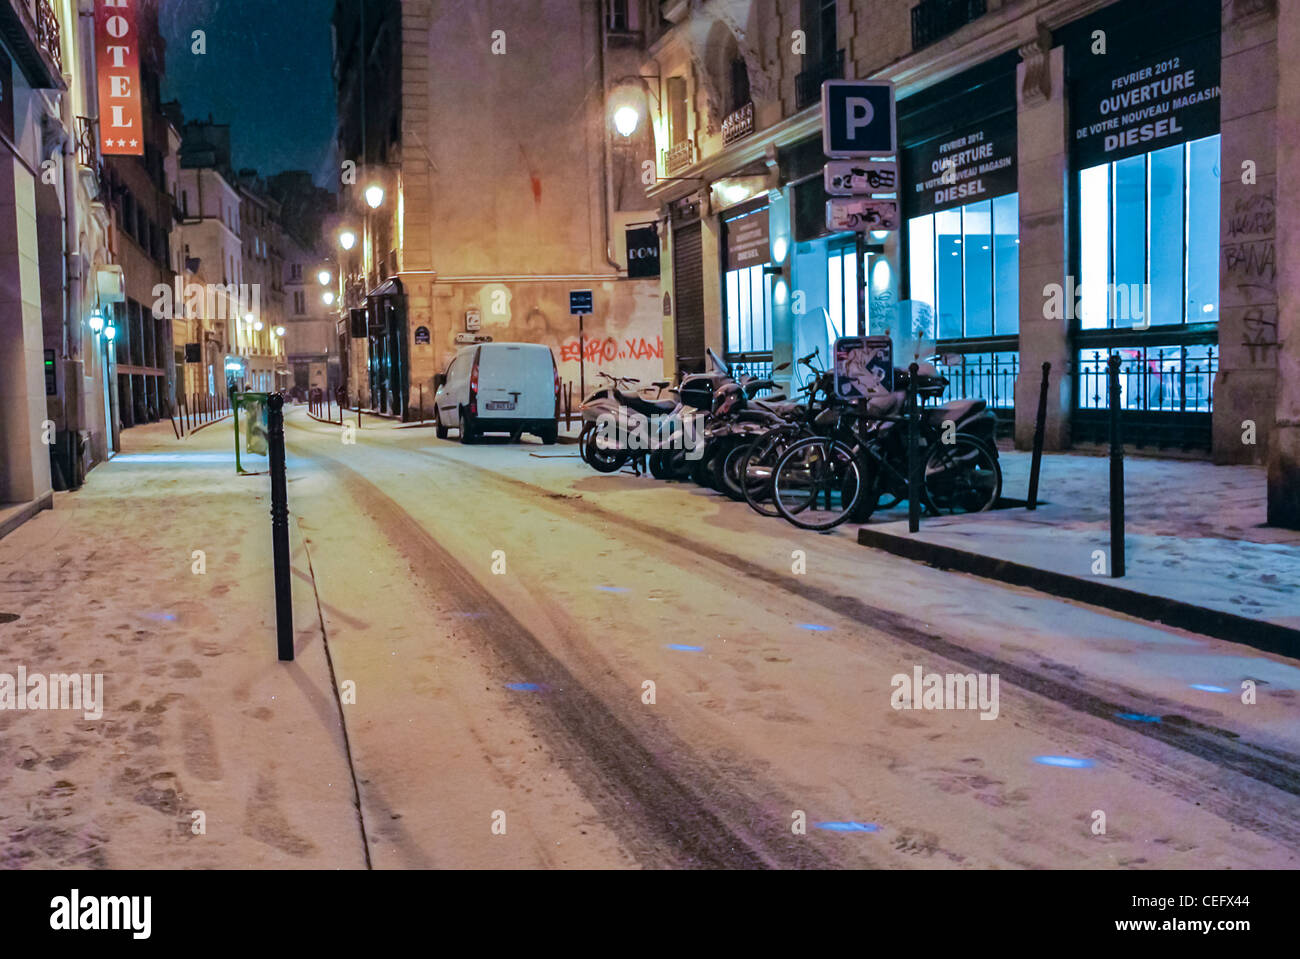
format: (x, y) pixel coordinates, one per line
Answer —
(818, 461)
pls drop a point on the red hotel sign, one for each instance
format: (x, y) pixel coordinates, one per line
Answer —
(117, 56)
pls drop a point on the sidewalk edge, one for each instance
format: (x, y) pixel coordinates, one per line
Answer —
(1258, 634)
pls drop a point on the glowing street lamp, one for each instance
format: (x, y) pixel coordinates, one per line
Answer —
(626, 120)
(96, 321)
(324, 277)
(328, 299)
(347, 239)
(375, 196)
(258, 326)
(110, 332)
(279, 331)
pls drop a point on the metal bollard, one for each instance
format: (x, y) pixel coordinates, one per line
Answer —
(913, 454)
(280, 528)
(1116, 470)
(1040, 426)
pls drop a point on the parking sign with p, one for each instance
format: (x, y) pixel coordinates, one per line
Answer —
(858, 118)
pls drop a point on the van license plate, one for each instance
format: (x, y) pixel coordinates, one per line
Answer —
(501, 405)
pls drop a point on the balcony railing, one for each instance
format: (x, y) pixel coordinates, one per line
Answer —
(932, 20)
(88, 142)
(808, 85)
(678, 157)
(738, 124)
(47, 31)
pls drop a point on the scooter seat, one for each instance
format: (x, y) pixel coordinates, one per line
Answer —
(775, 406)
(955, 410)
(644, 406)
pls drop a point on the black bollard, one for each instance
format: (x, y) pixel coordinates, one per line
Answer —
(913, 454)
(280, 528)
(1040, 426)
(1116, 471)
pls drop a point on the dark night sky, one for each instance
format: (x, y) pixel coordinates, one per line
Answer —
(266, 73)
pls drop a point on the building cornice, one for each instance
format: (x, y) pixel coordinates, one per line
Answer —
(1009, 28)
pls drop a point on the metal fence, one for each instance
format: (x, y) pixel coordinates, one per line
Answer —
(1170, 379)
(983, 376)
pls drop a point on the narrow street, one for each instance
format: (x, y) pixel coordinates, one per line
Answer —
(501, 609)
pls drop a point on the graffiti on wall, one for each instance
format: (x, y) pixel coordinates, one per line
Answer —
(609, 349)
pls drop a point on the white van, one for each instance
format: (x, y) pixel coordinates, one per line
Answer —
(499, 388)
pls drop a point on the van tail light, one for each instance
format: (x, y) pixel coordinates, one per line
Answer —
(473, 387)
(557, 386)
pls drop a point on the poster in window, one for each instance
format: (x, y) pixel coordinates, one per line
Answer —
(972, 163)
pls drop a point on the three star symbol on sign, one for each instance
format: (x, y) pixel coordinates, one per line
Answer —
(121, 143)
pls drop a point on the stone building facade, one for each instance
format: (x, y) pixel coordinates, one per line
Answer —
(1125, 148)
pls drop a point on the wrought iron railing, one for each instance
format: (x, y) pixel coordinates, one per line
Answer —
(47, 31)
(932, 20)
(88, 142)
(983, 376)
(678, 157)
(1167, 379)
(738, 124)
(808, 84)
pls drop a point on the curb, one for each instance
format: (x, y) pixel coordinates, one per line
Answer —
(1258, 634)
(26, 512)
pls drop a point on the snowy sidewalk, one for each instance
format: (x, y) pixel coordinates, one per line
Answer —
(201, 725)
(1198, 553)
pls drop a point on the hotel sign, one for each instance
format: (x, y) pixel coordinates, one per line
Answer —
(117, 56)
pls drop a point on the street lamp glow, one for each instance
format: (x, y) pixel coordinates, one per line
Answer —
(110, 332)
(347, 239)
(375, 196)
(96, 321)
(328, 298)
(249, 318)
(279, 331)
(324, 277)
(258, 326)
(626, 120)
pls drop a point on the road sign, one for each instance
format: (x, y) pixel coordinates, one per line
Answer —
(580, 302)
(861, 213)
(858, 118)
(861, 177)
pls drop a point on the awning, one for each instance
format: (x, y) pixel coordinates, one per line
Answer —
(391, 287)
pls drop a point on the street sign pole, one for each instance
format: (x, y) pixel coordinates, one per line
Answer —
(582, 358)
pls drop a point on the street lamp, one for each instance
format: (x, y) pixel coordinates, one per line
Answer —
(324, 277)
(375, 196)
(96, 321)
(110, 332)
(626, 120)
(279, 331)
(347, 239)
(258, 326)
(328, 299)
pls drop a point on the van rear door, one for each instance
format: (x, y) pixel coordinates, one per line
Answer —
(516, 381)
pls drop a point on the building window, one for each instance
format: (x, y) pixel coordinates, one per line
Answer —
(842, 292)
(818, 18)
(1149, 239)
(739, 87)
(749, 319)
(964, 264)
(677, 122)
(299, 302)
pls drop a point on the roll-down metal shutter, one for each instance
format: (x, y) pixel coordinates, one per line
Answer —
(688, 288)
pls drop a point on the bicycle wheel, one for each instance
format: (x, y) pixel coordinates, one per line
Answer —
(817, 483)
(760, 465)
(962, 477)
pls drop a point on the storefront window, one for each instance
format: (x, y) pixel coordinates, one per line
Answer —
(842, 290)
(1149, 232)
(749, 320)
(966, 263)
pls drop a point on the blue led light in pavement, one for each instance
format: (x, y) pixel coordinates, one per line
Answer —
(612, 589)
(849, 826)
(1065, 762)
(1209, 689)
(1138, 717)
(815, 627)
(161, 617)
(523, 687)
(682, 647)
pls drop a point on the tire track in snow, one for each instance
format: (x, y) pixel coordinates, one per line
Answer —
(663, 819)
